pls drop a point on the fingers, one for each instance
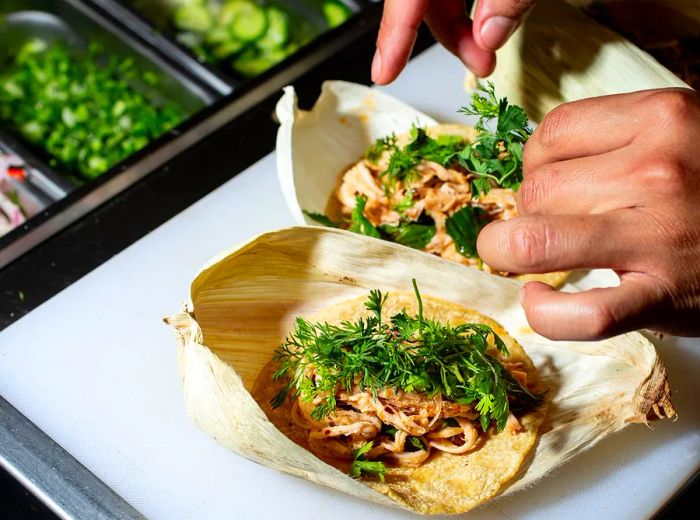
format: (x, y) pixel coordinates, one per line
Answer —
(587, 127)
(495, 21)
(534, 244)
(451, 26)
(589, 315)
(590, 185)
(397, 34)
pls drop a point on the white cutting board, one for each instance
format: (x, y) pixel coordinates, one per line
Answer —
(95, 368)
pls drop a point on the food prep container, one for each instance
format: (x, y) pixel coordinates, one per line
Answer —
(155, 19)
(75, 25)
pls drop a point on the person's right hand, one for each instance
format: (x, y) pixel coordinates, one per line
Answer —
(474, 42)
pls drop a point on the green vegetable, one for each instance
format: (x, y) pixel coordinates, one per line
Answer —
(463, 227)
(405, 352)
(403, 161)
(277, 33)
(83, 110)
(381, 145)
(321, 219)
(358, 222)
(256, 35)
(409, 233)
(249, 23)
(335, 12)
(496, 155)
(193, 17)
(227, 48)
(361, 466)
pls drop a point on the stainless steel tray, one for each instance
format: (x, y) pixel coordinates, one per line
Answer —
(150, 18)
(75, 24)
(71, 24)
(221, 109)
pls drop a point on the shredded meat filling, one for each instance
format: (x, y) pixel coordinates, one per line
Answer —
(438, 192)
(405, 426)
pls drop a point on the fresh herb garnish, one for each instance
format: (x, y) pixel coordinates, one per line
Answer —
(408, 233)
(361, 466)
(463, 227)
(321, 219)
(415, 444)
(406, 352)
(495, 156)
(380, 146)
(414, 234)
(403, 161)
(358, 222)
(406, 203)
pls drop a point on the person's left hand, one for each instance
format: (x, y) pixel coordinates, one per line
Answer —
(609, 182)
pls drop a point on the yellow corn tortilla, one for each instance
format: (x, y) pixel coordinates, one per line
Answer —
(446, 483)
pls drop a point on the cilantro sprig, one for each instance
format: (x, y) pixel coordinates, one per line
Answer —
(495, 156)
(412, 233)
(361, 466)
(405, 352)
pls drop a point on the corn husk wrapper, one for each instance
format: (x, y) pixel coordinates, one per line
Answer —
(559, 54)
(315, 147)
(244, 301)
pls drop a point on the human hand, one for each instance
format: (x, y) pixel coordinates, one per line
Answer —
(474, 42)
(609, 182)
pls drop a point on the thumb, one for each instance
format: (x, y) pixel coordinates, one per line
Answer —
(588, 315)
(495, 21)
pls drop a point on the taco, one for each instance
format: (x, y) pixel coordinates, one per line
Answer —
(435, 187)
(427, 402)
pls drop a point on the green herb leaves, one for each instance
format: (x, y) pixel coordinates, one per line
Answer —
(358, 222)
(361, 466)
(495, 155)
(409, 234)
(463, 227)
(406, 352)
(415, 234)
(86, 111)
(422, 147)
(321, 219)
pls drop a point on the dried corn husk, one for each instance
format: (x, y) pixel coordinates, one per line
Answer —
(559, 54)
(314, 147)
(244, 301)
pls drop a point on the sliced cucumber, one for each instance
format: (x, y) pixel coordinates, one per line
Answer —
(227, 49)
(193, 17)
(230, 10)
(253, 61)
(335, 12)
(216, 36)
(249, 23)
(277, 32)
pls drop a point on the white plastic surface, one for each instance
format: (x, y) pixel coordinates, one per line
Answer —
(95, 368)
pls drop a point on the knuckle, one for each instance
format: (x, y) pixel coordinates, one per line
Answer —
(535, 190)
(672, 105)
(665, 175)
(527, 243)
(554, 125)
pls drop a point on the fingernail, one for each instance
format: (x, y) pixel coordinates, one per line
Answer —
(376, 65)
(521, 296)
(496, 30)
